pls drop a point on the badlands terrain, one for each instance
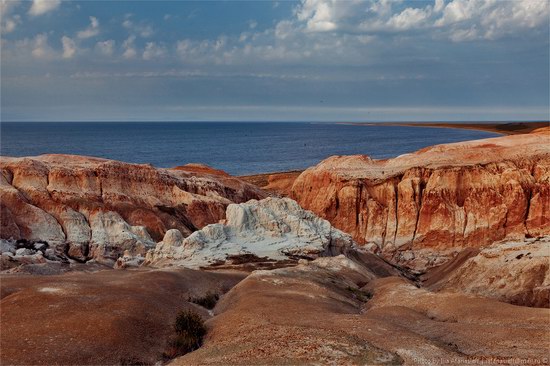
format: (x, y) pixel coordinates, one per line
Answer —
(440, 256)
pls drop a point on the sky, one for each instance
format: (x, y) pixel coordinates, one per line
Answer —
(309, 60)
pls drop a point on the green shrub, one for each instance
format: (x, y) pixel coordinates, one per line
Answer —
(207, 301)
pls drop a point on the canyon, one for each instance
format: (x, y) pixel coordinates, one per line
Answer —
(441, 254)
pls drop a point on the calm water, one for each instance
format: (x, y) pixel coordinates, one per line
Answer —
(238, 148)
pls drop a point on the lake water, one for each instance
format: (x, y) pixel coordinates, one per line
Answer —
(237, 148)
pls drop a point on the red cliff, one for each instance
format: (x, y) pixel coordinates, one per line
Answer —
(459, 195)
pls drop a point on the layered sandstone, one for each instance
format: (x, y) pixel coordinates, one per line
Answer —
(98, 208)
(441, 198)
(276, 229)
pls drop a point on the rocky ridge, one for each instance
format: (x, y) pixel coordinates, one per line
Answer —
(420, 209)
(89, 208)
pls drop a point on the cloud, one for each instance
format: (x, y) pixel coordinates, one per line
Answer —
(106, 48)
(69, 47)
(283, 29)
(40, 7)
(459, 20)
(252, 24)
(40, 48)
(144, 30)
(153, 51)
(410, 18)
(129, 48)
(8, 23)
(91, 31)
(320, 15)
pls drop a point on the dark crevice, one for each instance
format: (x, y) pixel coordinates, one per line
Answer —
(421, 187)
(358, 205)
(396, 193)
(527, 209)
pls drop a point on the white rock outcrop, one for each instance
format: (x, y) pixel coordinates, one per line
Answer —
(276, 228)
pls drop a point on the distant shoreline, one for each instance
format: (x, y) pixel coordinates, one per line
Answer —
(281, 182)
(510, 128)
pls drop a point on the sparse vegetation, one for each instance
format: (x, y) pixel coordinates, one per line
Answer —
(190, 331)
(207, 301)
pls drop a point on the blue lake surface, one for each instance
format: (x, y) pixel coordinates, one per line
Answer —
(237, 148)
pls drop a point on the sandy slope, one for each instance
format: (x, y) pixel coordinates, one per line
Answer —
(103, 318)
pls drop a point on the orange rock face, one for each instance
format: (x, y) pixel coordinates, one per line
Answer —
(458, 195)
(97, 205)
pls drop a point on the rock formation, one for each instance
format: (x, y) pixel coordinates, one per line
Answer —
(97, 208)
(339, 311)
(516, 272)
(441, 198)
(273, 228)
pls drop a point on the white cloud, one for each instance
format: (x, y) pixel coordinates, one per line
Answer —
(8, 23)
(283, 29)
(410, 18)
(461, 35)
(475, 19)
(69, 47)
(143, 30)
(439, 5)
(252, 24)
(106, 48)
(40, 48)
(129, 48)
(459, 20)
(153, 51)
(40, 7)
(318, 14)
(91, 31)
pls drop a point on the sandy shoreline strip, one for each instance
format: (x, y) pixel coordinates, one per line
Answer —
(505, 128)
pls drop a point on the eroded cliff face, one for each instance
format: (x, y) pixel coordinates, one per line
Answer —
(417, 207)
(99, 208)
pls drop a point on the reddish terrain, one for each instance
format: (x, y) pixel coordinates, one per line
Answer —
(452, 196)
(96, 206)
(103, 318)
(333, 311)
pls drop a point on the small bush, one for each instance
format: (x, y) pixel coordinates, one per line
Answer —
(190, 331)
(191, 323)
(207, 301)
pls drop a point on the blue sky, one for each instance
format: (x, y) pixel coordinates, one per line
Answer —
(310, 60)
